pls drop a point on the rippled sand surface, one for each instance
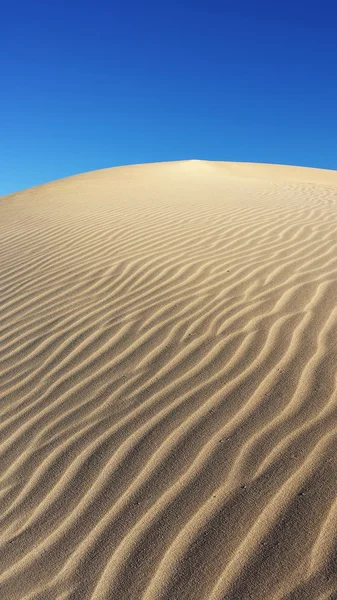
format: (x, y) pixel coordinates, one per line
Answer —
(168, 413)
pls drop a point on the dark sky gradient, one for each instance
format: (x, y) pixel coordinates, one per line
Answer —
(87, 85)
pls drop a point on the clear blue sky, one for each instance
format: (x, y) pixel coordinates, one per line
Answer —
(87, 85)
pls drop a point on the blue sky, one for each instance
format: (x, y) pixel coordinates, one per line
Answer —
(87, 85)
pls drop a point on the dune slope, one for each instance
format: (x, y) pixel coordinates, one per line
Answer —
(168, 415)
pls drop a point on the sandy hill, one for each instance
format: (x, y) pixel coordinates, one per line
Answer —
(168, 353)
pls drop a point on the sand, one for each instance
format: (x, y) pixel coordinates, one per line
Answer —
(168, 351)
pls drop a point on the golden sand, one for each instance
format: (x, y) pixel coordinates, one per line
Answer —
(168, 414)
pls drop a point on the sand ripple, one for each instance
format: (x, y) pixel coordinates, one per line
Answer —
(168, 351)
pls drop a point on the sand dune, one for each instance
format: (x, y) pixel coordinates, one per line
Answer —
(168, 385)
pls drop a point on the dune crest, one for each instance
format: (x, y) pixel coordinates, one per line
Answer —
(168, 388)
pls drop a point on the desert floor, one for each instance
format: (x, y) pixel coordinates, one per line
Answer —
(168, 413)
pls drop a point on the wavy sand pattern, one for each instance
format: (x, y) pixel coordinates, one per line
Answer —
(168, 385)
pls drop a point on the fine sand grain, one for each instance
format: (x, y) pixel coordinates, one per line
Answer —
(168, 352)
